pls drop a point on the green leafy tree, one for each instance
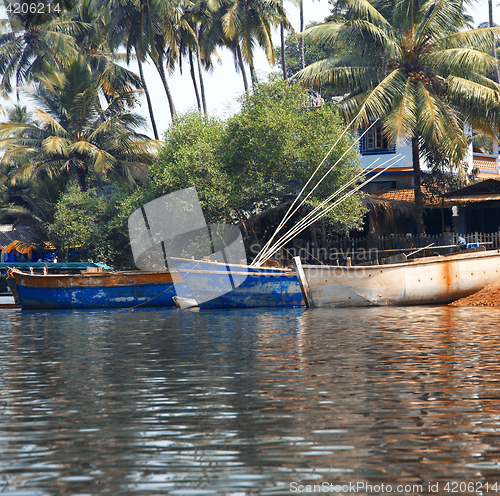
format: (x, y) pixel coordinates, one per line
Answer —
(194, 155)
(77, 220)
(412, 65)
(276, 142)
(74, 135)
(94, 226)
(253, 160)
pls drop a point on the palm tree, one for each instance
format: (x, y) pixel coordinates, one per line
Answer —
(131, 24)
(93, 42)
(193, 41)
(151, 29)
(247, 23)
(209, 35)
(73, 135)
(34, 41)
(173, 25)
(412, 66)
(29, 204)
(283, 57)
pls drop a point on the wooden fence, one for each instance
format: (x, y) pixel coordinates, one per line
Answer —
(400, 241)
(377, 247)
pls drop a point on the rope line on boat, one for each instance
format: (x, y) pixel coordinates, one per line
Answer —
(289, 213)
(307, 221)
(291, 254)
(144, 302)
(312, 216)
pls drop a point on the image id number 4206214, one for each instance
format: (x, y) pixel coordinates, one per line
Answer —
(32, 8)
(470, 487)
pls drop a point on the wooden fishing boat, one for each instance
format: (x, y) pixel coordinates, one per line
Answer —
(437, 279)
(95, 289)
(226, 285)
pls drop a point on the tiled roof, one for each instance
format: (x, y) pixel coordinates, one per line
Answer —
(395, 194)
(408, 195)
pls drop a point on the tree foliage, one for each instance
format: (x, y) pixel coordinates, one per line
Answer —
(93, 226)
(313, 52)
(35, 37)
(256, 158)
(73, 134)
(194, 155)
(415, 66)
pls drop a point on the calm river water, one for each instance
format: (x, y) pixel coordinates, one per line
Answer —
(256, 402)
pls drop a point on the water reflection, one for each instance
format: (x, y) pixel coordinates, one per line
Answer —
(247, 402)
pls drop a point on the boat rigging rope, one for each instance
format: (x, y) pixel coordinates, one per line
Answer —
(307, 221)
(290, 212)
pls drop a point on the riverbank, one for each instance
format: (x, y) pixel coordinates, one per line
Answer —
(489, 296)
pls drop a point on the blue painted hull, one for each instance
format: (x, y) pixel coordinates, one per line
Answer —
(216, 285)
(111, 297)
(105, 290)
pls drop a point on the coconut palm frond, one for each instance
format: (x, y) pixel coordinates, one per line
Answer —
(459, 60)
(403, 119)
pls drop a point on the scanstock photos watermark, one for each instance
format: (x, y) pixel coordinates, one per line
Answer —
(322, 255)
(358, 487)
(441, 487)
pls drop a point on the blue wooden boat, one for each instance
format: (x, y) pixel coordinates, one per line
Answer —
(217, 278)
(226, 285)
(95, 289)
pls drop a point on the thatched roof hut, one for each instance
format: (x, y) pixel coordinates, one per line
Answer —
(261, 226)
(387, 215)
(384, 215)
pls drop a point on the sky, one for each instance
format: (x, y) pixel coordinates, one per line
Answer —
(223, 86)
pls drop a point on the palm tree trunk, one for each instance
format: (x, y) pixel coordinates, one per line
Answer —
(496, 76)
(161, 72)
(417, 186)
(283, 58)
(253, 74)
(148, 98)
(82, 179)
(242, 67)
(202, 87)
(200, 72)
(193, 78)
(200, 75)
(301, 40)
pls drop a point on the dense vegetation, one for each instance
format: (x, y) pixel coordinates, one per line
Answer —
(416, 66)
(76, 156)
(242, 166)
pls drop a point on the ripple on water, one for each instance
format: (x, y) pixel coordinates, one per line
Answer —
(246, 402)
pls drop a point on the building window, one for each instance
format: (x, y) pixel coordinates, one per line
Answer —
(373, 142)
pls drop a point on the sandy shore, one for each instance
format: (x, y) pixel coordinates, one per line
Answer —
(489, 296)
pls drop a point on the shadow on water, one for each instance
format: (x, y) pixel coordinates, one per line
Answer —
(248, 402)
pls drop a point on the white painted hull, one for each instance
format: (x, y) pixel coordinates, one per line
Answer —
(424, 281)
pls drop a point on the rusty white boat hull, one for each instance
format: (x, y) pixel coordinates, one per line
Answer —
(424, 281)
(94, 290)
